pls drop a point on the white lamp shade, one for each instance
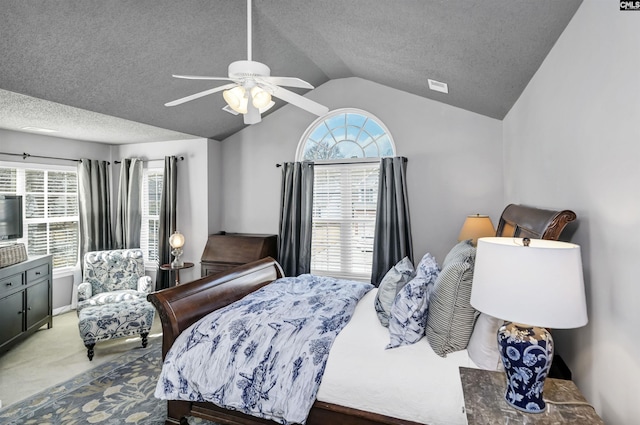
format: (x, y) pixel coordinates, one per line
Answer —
(476, 226)
(176, 240)
(236, 99)
(538, 285)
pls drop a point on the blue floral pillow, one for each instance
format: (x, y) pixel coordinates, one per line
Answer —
(408, 316)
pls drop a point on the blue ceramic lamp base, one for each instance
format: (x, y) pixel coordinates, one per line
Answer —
(527, 352)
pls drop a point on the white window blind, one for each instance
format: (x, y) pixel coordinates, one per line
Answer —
(344, 213)
(50, 202)
(345, 189)
(152, 192)
(8, 177)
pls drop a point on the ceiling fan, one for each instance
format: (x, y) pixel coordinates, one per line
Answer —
(253, 86)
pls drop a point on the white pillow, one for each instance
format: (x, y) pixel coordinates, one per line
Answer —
(483, 344)
(392, 282)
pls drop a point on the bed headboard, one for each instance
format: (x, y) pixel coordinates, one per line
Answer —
(523, 221)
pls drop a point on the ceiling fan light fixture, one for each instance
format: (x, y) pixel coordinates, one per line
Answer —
(243, 105)
(266, 108)
(261, 98)
(249, 79)
(236, 99)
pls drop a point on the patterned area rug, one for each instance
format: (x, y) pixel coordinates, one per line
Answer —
(118, 392)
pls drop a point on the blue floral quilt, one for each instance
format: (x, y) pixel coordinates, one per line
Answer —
(265, 354)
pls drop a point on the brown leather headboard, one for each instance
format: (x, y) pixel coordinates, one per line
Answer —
(523, 221)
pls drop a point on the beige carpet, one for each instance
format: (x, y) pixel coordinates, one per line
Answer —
(52, 356)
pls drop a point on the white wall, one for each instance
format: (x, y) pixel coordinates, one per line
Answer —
(35, 144)
(454, 168)
(214, 179)
(573, 141)
(199, 185)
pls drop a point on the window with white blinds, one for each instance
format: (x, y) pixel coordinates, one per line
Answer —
(50, 202)
(151, 194)
(344, 144)
(344, 215)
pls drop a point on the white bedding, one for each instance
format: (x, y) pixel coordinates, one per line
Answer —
(409, 382)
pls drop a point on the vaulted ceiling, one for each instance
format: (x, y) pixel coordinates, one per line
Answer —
(100, 70)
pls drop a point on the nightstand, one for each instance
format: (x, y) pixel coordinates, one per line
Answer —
(176, 270)
(485, 405)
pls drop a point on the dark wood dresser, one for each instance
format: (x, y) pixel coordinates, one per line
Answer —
(227, 250)
(25, 299)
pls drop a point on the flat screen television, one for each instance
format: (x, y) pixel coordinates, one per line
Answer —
(10, 217)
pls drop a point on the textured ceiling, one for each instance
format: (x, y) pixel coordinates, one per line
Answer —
(116, 57)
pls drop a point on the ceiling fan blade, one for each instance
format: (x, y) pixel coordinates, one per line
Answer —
(253, 115)
(300, 101)
(199, 95)
(228, 109)
(286, 81)
(200, 77)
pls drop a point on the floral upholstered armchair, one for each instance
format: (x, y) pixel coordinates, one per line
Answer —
(112, 277)
(112, 300)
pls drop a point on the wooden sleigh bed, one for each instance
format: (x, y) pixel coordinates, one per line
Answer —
(181, 306)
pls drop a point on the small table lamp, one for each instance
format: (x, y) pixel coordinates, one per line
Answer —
(476, 226)
(532, 284)
(176, 240)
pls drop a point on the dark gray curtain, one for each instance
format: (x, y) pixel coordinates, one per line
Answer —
(94, 206)
(129, 214)
(168, 203)
(294, 249)
(392, 240)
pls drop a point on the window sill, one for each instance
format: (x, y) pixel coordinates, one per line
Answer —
(64, 272)
(150, 267)
(343, 276)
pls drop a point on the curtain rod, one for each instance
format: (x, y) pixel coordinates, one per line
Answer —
(371, 161)
(361, 161)
(179, 158)
(25, 155)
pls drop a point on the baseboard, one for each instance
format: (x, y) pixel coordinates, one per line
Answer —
(61, 310)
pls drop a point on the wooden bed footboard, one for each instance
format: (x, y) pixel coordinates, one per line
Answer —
(183, 305)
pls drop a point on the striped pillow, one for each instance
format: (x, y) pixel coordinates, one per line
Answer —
(451, 316)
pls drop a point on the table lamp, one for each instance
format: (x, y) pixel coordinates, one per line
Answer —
(532, 284)
(176, 240)
(476, 226)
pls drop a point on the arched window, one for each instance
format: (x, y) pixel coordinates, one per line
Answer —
(345, 146)
(345, 134)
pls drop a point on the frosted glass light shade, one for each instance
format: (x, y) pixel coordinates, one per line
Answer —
(266, 108)
(540, 284)
(476, 226)
(261, 97)
(176, 240)
(236, 99)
